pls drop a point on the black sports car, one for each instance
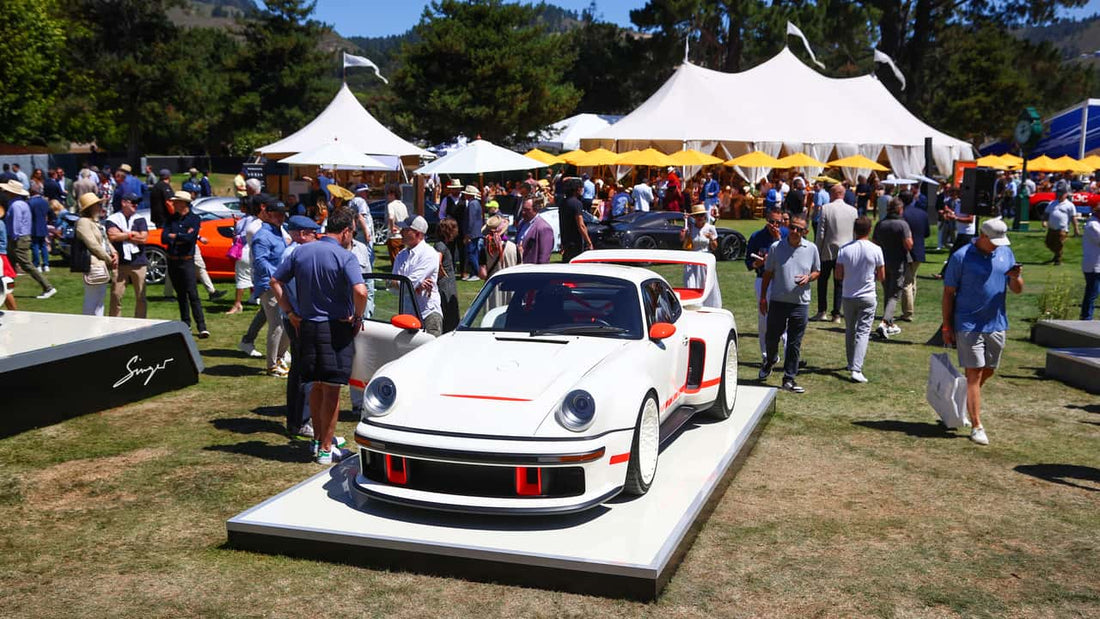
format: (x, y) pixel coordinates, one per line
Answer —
(660, 230)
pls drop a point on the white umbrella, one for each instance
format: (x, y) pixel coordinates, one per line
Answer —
(479, 157)
(924, 179)
(899, 181)
(336, 156)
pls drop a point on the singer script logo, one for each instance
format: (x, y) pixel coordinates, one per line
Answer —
(135, 369)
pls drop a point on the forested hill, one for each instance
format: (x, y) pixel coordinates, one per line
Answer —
(1075, 39)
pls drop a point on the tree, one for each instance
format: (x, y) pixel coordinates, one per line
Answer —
(31, 48)
(283, 79)
(613, 69)
(127, 41)
(485, 68)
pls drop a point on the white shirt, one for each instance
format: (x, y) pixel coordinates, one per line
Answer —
(1059, 215)
(1090, 246)
(642, 197)
(396, 212)
(860, 259)
(363, 208)
(420, 264)
(129, 249)
(963, 227)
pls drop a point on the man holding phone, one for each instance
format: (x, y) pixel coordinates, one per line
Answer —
(974, 317)
(755, 255)
(789, 268)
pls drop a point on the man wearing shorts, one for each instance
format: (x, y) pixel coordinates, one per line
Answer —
(331, 300)
(974, 318)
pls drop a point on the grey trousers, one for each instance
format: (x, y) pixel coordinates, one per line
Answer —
(891, 290)
(859, 315)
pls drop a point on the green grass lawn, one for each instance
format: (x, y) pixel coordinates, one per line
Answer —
(853, 502)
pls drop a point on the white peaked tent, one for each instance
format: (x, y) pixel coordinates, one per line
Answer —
(566, 135)
(479, 157)
(337, 156)
(352, 124)
(780, 105)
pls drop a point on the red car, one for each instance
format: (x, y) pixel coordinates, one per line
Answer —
(1083, 200)
(218, 233)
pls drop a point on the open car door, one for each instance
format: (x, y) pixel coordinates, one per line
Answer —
(381, 341)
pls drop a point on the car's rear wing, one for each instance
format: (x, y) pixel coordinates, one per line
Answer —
(699, 277)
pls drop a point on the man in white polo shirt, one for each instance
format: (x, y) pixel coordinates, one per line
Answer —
(420, 263)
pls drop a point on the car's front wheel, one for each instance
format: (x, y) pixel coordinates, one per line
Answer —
(645, 242)
(381, 232)
(158, 265)
(727, 390)
(731, 248)
(643, 451)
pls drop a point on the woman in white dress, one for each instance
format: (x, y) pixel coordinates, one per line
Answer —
(703, 236)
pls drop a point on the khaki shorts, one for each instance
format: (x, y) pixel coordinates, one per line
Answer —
(980, 350)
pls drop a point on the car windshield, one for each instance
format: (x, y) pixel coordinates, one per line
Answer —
(557, 304)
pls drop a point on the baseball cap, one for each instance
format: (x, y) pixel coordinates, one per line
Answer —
(301, 222)
(164, 173)
(130, 196)
(274, 205)
(362, 187)
(997, 231)
(416, 222)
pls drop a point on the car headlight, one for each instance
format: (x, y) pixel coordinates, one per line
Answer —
(379, 396)
(577, 411)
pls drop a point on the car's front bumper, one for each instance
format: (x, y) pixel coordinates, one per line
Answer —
(489, 475)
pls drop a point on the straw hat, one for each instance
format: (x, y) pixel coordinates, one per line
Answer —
(126, 168)
(88, 200)
(470, 190)
(698, 209)
(454, 184)
(181, 196)
(492, 224)
(14, 186)
(340, 192)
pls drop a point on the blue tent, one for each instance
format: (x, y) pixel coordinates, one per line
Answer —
(1074, 131)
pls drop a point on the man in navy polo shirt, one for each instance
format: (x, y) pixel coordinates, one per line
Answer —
(974, 316)
(331, 300)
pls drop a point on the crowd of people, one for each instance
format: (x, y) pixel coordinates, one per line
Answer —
(311, 295)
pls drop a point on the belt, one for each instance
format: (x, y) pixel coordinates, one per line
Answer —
(192, 257)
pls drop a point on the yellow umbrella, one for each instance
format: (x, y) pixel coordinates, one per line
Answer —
(1012, 160)
(799, 160)
(691, 157)
(755, 159)
(992, 161)
(649, 157)
(598, 157)
(858, 161)
(543, 157)
(1092, 162)
(1043, 163)
(571, 155)
(1069, 163)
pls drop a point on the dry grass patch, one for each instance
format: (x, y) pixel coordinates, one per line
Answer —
(87, 484)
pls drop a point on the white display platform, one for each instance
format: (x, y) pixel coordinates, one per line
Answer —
(628, 547)
(81, 364)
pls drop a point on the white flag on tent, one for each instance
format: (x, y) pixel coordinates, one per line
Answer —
(359, 61)
(881, 57)
(793, 30)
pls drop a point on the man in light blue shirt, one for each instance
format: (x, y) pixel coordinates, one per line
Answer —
(267, 253)
(1090, 262)
(1060, 215)
(710, 192)
(974, 318)
(588, 194)
(642, 196)
(19, 240)
(789, 268)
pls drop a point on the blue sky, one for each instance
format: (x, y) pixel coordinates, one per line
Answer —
(384, 17)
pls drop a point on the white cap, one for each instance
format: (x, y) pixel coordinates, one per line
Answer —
(997, 231)
(416, 222)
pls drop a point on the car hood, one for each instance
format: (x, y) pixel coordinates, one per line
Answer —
(490, 383)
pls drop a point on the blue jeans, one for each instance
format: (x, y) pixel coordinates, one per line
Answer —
(1092, 289)
(472, 256)
(790, 318)
(40, 248)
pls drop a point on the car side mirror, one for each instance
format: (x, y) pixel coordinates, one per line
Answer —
(406, 321)
(661, 330)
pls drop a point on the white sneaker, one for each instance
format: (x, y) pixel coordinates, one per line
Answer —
(882, 332)
(978, 436)
(859, 377)
(893, 329)
(49, 293)
(818, 317)
(45, 268)
(249, 349)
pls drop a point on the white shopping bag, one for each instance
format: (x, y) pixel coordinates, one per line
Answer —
(947, 391)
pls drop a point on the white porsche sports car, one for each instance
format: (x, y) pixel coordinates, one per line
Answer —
(556, 391)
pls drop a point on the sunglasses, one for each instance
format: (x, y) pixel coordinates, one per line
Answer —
(798, 229)
(775, 222)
